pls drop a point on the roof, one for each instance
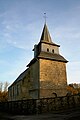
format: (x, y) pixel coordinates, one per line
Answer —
(45, 37)
(20, 77)
(49, 56)
(32, 61)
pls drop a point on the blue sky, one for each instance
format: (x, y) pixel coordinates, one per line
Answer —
(21, 24)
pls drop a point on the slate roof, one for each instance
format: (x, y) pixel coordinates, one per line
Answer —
(32, 61)
(52, 56)
(20, 77)
(45, 37)
(49, 56)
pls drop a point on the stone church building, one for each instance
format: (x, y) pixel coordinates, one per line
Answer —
(45, 75)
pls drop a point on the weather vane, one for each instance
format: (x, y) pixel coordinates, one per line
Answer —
(45, 17)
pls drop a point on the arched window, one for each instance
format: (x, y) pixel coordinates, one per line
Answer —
(53, 51)
(54, 94)
(47, 49)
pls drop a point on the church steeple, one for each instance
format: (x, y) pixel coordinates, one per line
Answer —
(45, 44)
(45, 37)
(46, 48)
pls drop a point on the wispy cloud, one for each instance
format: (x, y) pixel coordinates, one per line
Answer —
(73, 71)
(20, 35)
(67, 32)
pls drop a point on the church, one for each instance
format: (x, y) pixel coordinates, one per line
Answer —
(45, 75)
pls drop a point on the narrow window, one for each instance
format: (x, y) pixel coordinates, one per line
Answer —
(10, 93)
(13, 91)
(17, 89)
(53, 51)
(47, 49)
(22, 81)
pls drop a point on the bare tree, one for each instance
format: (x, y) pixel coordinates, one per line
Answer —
(4, 91)
(1, 86)
(6, 84)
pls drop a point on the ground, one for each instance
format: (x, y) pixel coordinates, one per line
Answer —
(67, 115)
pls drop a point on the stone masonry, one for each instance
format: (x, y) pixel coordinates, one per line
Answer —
(52, 78)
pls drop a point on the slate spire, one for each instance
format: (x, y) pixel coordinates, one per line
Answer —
(45, 37)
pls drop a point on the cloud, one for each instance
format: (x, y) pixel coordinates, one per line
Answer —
(68, 32)
(20, 35)
(73, 71)
(10, 70)
(3, 14)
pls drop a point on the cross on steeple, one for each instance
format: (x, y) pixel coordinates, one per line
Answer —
(45, 17)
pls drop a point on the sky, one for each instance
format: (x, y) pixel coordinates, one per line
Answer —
(21, 24)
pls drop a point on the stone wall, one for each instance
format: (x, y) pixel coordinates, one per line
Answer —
(44, 78)
(34, 78)
(27, 87)
(52, 78)
(44, 105)
(18, 89)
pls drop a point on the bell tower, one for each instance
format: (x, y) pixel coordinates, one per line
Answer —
(51, 67)
(46, 44)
